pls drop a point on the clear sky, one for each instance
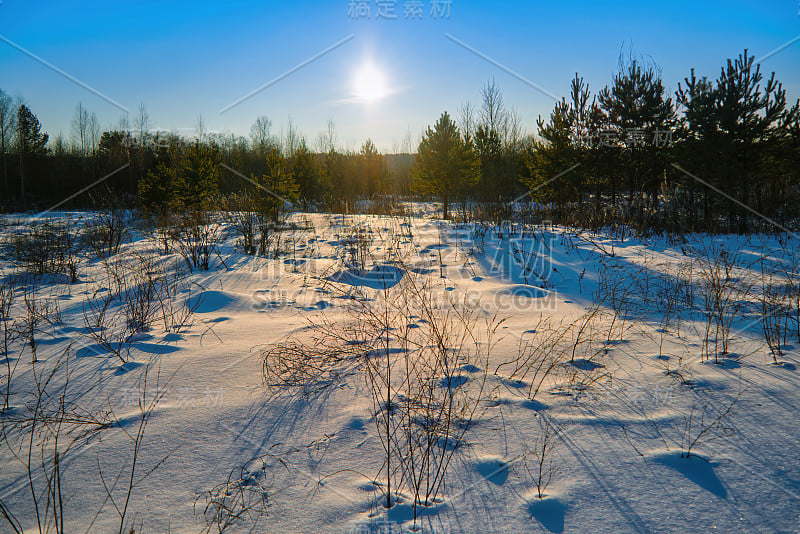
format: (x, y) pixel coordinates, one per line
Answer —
(391, 78)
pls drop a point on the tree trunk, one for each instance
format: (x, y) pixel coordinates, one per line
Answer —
(692, 207)
(5, 169)
(21, 177)
(743, 219)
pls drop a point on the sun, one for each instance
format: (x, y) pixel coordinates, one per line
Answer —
(369, 83)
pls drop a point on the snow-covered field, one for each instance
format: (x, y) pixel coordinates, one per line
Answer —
(529, 379)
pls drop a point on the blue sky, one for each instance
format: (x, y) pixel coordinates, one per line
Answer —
(186, 59)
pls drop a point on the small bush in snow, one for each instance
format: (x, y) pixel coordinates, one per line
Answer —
(48, 248)
(197, 238)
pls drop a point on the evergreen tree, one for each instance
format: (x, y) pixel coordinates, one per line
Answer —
(156, 189)
(31, 142)
(602, 161)
(551, 154)
(749, 117)
(635, 105)
(373, 171)
(198, 178)
(113, 148)
(445, 166)
(697, 141)
(736, 134)
(332, 177)
(563, 142)
(276, 188)
(489, 149)
(581, 118)
(306, 173)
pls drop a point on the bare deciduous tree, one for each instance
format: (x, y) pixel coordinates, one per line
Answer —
(141, 122)
(94, 133)
(200, 128)
(291, 140)
(80, 130)
(493, 114)
(260, 134)
(466, 119)
(327, 137)
(6, 129)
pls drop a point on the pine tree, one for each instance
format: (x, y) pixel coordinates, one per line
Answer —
(31, 141)
(564, 141)
(276, 188)
(635, 105)
(445, 165)
(550, 155)
(735, 133)
(156, 189)
(373, 171)
(749, 116)
(306, 173)
(489, 149)
(697, 142)
(198, 176)
(332, 175)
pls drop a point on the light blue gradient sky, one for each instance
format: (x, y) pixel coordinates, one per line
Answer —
(185, 59)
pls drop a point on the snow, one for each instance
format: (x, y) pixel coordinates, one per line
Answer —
(618, 408)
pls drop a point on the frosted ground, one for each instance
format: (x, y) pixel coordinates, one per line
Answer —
(579, 369)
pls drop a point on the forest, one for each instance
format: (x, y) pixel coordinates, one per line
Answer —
(586, 323)
(630, 154)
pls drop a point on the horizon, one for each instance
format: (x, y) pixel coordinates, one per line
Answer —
(385, 79)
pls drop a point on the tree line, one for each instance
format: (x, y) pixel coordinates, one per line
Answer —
(719, 155)
(161, 170)
(716, 155)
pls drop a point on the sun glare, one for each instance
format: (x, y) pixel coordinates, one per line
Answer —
(369, 83)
